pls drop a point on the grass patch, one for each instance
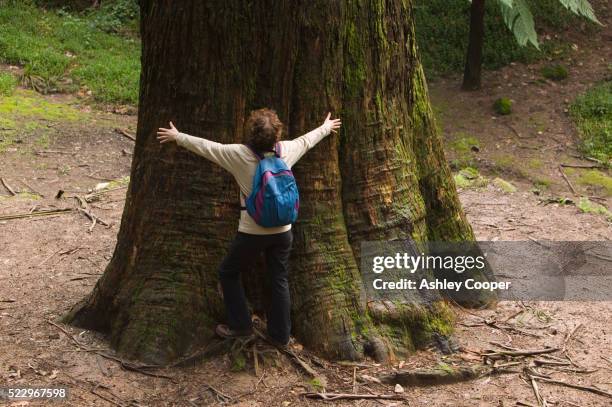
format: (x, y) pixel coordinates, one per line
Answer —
(541, 182)
(592, 113)
(597, 179)
(503, 106)
(504, 185)
(463, 146)
(556, 72)
(26, 114)
(29, 196)
(535, 163)
(27, 104)
(7, 134)
(60, 51)
(470, 178)
(316, 383)
(464, 143)
(8, 83)
(587, 206)
(442, 28)
(538, 121)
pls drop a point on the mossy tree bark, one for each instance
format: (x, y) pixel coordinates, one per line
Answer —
(204, 66)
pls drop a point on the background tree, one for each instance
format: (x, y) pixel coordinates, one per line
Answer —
(204, 66)
(519, 20)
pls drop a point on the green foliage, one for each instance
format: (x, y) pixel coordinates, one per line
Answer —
(24, 104)
(592, 113)
(7, 84)
(597, 179)
(519, 20)
(465, 143)
(556, 72)
(587, 206)
(62, 52)
(518, 17)
(581, 8)
(442, 28)
(116, 16)
(504, 185)
(463, 147)
(238, 362)
(470, 178)
(503, 106)
(316, 383)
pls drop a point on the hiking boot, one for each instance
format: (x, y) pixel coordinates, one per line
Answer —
(277, 344)
(261, 328)
(225, 331)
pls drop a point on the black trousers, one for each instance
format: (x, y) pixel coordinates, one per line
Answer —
(242, 254)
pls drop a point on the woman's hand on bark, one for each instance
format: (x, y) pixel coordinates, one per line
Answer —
(167, 135)
(333, 124)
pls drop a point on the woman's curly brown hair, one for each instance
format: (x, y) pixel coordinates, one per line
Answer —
(263, 129)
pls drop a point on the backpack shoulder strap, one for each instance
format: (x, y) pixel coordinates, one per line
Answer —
(277, 149)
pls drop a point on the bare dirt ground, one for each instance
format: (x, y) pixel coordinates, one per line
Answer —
(48, 263)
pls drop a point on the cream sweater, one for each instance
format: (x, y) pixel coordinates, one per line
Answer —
(240, 161)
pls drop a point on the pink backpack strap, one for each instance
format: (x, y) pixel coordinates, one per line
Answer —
(277, 149)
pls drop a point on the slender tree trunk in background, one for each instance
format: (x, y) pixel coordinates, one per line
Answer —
(204, 66)
(473, 63)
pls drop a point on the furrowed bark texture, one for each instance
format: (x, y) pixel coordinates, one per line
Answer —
(205, 65)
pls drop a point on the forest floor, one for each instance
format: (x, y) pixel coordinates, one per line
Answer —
(48, 263)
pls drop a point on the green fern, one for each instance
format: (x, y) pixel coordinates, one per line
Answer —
(519, 19)
(581, 8)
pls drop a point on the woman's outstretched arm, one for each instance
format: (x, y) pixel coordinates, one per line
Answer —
(224, 155)
(296, 148)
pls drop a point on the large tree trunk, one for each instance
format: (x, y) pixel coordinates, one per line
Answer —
(204, 66)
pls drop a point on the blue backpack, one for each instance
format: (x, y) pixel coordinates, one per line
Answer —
(274, 200)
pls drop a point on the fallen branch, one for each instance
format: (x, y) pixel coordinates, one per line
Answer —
(518, 353)
(32, 189)
(84, 209)
(48, 258)
(219, 394)
(125, 133)
(89, 197)
(574, 386)
(504, 327)
(540, 362)
(37, 213)
(536, 391)
(350, 396)
(40, 152)
(567, 180)
(430, 377)
(8, 187)
(580, 166)
(103, 397)
(569, 336)
(516, 133)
